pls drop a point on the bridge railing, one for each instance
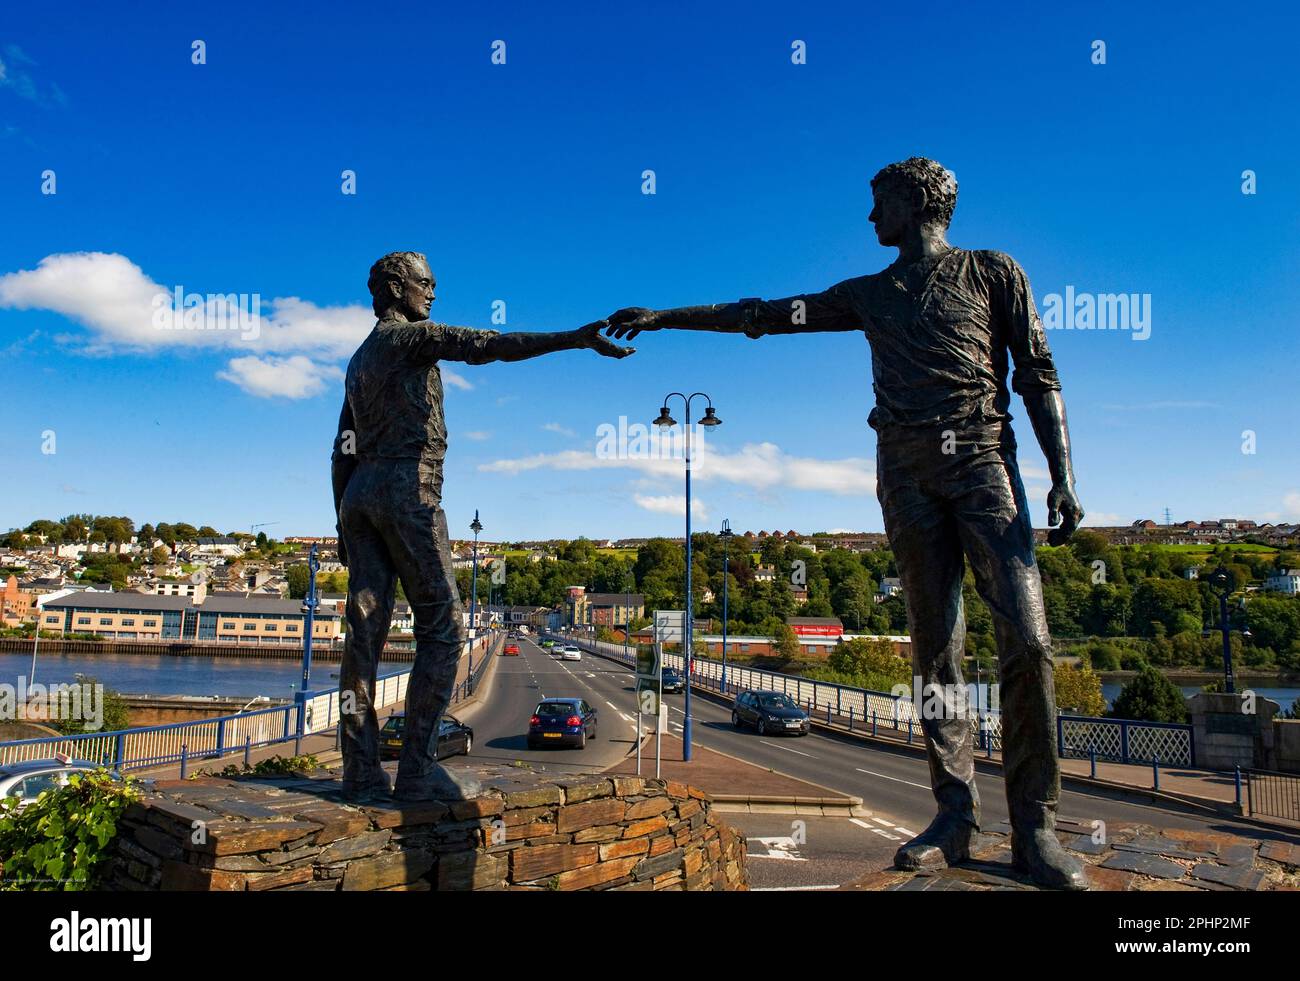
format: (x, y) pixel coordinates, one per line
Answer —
(180, 742)
(1118, 740)
(1272, 794)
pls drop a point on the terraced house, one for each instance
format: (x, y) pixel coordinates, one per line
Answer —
(252, 620)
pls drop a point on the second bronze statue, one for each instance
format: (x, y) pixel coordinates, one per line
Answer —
(387, 475)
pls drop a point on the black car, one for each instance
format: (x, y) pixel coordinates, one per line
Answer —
(453, 737)
(672, 681)
(770, 713)
(562, 722)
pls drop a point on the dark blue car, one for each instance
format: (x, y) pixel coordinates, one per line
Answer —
(562, 722)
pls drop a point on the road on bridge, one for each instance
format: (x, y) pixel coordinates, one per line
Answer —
(892, 782)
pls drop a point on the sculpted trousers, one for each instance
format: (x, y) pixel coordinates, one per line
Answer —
(393, 526)
(938, 506)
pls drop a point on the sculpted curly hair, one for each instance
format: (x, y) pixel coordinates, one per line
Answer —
(391, 267)
(939, 184)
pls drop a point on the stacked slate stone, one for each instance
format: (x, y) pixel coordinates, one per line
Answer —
(526, 831)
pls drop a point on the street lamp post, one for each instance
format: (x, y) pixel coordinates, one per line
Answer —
(475, 527)
(1221, 584)
(688, 640)
(726, 574)
(309, 604)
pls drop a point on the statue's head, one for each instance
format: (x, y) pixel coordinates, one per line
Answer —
(402, 281)
(914, 193)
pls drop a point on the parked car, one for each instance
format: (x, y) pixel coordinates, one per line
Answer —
(769, 712)
(572, 653)
(453, 737)
(562, 722)
(672, 681)
(511, 650)
(28, 779)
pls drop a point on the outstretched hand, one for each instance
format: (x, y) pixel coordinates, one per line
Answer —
(592, 338)
(630, 321)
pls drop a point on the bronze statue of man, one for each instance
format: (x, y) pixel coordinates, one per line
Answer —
(940, 322)
(387, 474)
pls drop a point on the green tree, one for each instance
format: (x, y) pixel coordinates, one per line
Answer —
(298, 576)
(1150, 697)
(1079, 690)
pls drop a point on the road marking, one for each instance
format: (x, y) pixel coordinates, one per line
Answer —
(612, 705)
(910, 834)
(779, 847)
(877, 831)
(626, 717)
(887, 824)
(790, 888)
(787, 749)
(885, 834)
(886, 776)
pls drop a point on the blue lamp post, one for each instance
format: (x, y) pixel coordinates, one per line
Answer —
(666, 421)
(475, 527)
(726, 574)
(1221, 584)
(309, 604)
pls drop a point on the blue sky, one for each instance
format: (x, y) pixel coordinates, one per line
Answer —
(523, 183)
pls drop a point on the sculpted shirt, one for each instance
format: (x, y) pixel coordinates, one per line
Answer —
(393, 392)
(940, 330)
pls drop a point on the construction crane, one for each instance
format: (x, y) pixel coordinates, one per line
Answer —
(252, 529)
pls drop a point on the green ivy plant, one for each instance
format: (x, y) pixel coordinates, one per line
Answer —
(272, 767)
(62, 841)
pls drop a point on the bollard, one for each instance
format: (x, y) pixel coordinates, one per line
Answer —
(248, 748)
(988, 744)
(828, 713)
(1155, 769)
(1237, 778)
(185, 760)
(909, 732)
(1092, 759)
(873, 723)
(850, 718)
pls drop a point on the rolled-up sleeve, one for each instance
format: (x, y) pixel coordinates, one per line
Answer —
(829, 310)
(442, 342)
(1034, 372)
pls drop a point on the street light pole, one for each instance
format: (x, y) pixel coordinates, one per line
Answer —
(475, 527)
(726, 574)
(309, 604)
(688, 640)
(1221, 584)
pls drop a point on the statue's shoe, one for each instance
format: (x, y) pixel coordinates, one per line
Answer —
(945, 842)
(438, 783)
(1038, 855)
(368, 785)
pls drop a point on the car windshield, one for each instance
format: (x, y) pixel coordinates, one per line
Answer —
(395, 723)
(776, 702)
(556, 708)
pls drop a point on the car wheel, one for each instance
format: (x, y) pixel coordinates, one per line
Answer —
(582, 740)
(469, 744)
(762, 726)
(735, 719)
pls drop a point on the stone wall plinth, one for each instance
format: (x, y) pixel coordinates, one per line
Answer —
(525, 831)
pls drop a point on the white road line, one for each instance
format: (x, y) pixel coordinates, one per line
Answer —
(885, 834)
(887, 824)
(626, 717)
(886, 776)
(910, 834)
(790, 888)
(611, 705)
(787, 749)
(861, 823)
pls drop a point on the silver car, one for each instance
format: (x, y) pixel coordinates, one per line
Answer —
(28, 779)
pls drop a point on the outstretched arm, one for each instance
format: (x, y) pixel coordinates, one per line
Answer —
(342, 463)
(831, 310)
(472, 346)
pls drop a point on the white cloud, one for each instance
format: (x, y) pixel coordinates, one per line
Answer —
(454, 379)
(674, 504)
(555, 427)
(1103, 519)
(119, 305)
(296, 377)
(760, 466)
(1291, 502)
(478, 435)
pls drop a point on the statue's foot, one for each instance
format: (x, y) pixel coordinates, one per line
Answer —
(438, 783)
(1040, 856)
(370, 783)
(945, 842)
